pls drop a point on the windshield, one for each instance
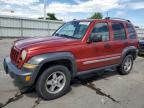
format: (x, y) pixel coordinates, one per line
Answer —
(74, 29)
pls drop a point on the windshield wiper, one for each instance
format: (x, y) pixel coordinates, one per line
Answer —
(63, 35)
(56, 34)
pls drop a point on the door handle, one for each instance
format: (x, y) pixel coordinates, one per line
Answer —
(132, 43)
(107, 45)
(125, 43)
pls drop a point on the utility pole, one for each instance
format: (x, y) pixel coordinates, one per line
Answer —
(45, 4)
(107, 13)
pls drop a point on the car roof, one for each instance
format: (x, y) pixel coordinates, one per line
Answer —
(111, 20)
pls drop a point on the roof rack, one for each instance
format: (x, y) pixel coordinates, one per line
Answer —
(108, 18)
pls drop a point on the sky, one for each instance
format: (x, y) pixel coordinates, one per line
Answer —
(76, 9)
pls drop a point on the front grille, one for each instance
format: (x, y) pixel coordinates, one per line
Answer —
(14, 55)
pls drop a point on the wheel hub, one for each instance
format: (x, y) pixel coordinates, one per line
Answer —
(55, 82)
(127, 64)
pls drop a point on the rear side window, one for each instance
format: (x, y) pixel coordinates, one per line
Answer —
(131, 31)
(118, 31)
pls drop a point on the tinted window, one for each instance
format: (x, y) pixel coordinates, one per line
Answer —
(119, 31)
(101, 30)
(131, 31)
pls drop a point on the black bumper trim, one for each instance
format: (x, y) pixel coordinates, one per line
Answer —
(17, 74)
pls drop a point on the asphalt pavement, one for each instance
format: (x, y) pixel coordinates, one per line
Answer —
(103, 90)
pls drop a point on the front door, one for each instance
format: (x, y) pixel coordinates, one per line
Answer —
(100, 53)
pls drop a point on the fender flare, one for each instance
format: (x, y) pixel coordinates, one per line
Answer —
(40, 60)
(128, 49)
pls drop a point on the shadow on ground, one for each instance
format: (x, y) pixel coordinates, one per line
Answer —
(83, 80)
(141, 56)
(78, 81)
(87, 81)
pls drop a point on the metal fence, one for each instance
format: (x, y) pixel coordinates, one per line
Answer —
(25, 27)
(140, 32)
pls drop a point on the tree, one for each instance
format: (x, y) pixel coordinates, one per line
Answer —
(96, 15)
(50, 16)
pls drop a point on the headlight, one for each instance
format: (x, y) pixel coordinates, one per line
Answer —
(23, 54)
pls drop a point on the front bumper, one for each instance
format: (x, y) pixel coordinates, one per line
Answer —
(18, 74)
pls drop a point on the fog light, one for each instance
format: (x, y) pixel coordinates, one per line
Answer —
(27, 78)
(29, 66)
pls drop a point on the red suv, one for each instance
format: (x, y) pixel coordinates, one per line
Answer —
(77, 47)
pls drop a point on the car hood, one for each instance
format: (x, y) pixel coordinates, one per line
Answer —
(43, 42)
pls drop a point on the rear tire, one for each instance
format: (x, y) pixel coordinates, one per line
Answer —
(126, 65)
(54, 82)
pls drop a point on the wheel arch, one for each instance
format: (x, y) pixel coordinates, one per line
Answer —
(132, 50)
(46, 60)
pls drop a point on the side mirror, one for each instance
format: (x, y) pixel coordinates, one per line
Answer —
(95, 38)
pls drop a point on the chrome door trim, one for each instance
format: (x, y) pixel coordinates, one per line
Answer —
(101, 60)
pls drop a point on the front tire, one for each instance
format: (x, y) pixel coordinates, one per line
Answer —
(54, 82)
(126, 65)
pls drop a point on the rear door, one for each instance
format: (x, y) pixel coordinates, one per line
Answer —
(120, 40)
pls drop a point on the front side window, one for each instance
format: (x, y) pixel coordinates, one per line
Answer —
(131, 31)
(74, 29)
(118, 31)
(101, 31)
